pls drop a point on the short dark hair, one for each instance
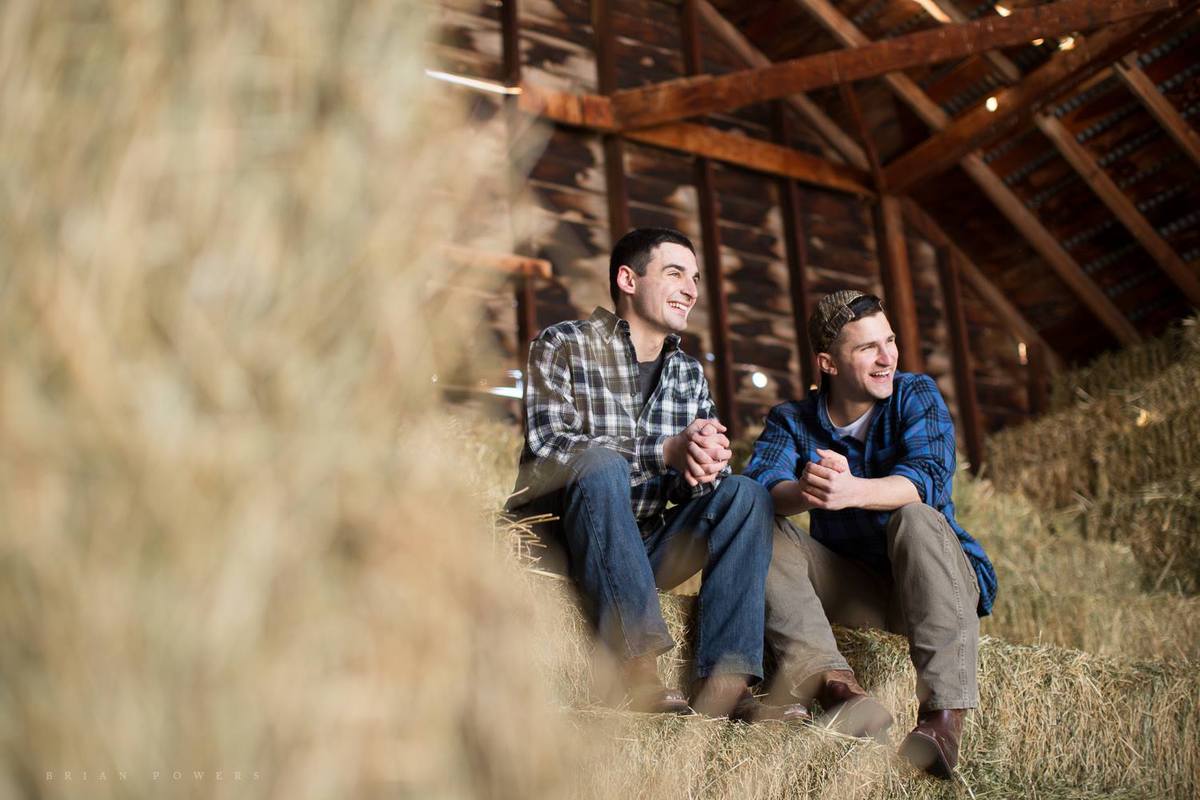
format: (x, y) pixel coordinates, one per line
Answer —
(636, 248)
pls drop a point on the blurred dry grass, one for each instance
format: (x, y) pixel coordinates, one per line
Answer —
(236, 530)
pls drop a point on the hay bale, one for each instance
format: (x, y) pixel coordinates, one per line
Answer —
(1113, 373)
(1053, 723)
(1147, 432)
(235, 532)
(1161, 523)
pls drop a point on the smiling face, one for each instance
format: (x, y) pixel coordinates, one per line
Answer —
(662, 299)
(863, 361)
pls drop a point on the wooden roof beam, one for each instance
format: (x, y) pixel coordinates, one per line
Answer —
(704, 94)
(1000, 62)
(1159, 106)
(978, 126)
(1104, 187)
(983, 286)
(1121, 206)
(731, 37)
(1005, 200)
(594, 112)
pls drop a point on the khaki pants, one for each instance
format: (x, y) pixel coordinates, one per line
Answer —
(930, 597)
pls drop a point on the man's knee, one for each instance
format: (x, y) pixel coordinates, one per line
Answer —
(599, 464)
(916, 523)
(750, 498)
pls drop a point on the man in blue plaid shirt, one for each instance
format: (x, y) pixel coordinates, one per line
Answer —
(618, 424)
(870, 456)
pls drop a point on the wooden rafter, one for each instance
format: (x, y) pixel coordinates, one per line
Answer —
(1092, 173)
(920, 221)
(1001, 196)
(829, 130)
(686, 97)
(979, 282)
(972, 130)
(1159, 106)
(1085, 164)
(594, 112)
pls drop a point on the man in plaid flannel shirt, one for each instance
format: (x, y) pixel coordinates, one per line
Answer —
(619, 424)
(870, 456)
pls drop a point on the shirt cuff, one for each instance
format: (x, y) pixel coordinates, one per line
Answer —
(769, 478)
(918, 478)
(648, 457)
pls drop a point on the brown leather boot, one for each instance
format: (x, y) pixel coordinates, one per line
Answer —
(645, 693)
(847, 708)
(728, 696)
(933, 744)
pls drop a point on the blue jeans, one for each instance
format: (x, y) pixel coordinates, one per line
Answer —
(618, 565)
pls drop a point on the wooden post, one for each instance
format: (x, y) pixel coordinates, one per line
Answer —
(614, 148)
(964, 377)
(890, 247)
(791, 207)
(524, 296)
(1039, 390)
(710, 234)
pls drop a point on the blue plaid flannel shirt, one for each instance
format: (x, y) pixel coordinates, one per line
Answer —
(582, 391)
(912, 435)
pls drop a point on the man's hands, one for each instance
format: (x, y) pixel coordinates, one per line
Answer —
(828, 483)
(698, 452)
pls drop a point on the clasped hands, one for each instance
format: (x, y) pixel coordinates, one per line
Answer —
(698, 452)
(828, 484)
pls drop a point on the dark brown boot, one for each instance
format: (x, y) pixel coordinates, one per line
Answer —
(729, 696)
(847, 708)
(933, 744)
(645, 693)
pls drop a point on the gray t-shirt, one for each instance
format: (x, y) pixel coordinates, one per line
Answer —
(648, 375)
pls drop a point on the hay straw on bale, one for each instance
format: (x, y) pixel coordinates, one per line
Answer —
(235, 533)
(1161, 523)
(1052, 722)
(1113, 373)
(1148, 433)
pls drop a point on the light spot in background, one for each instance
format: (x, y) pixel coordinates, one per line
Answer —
(473, 83)
(1066, 43)
(992, 103)
(1022, 353)
(759, 380)
(1003, 11)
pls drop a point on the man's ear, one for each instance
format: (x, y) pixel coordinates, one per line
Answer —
(626, 279)
(825, 364)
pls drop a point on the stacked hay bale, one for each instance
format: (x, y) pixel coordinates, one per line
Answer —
(1122, 452)
(1053, 722)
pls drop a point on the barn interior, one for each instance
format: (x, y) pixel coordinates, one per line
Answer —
(1018, 180)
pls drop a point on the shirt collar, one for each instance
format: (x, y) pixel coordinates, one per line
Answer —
(610, 325)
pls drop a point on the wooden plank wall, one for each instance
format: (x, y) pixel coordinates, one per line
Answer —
(565, 207)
